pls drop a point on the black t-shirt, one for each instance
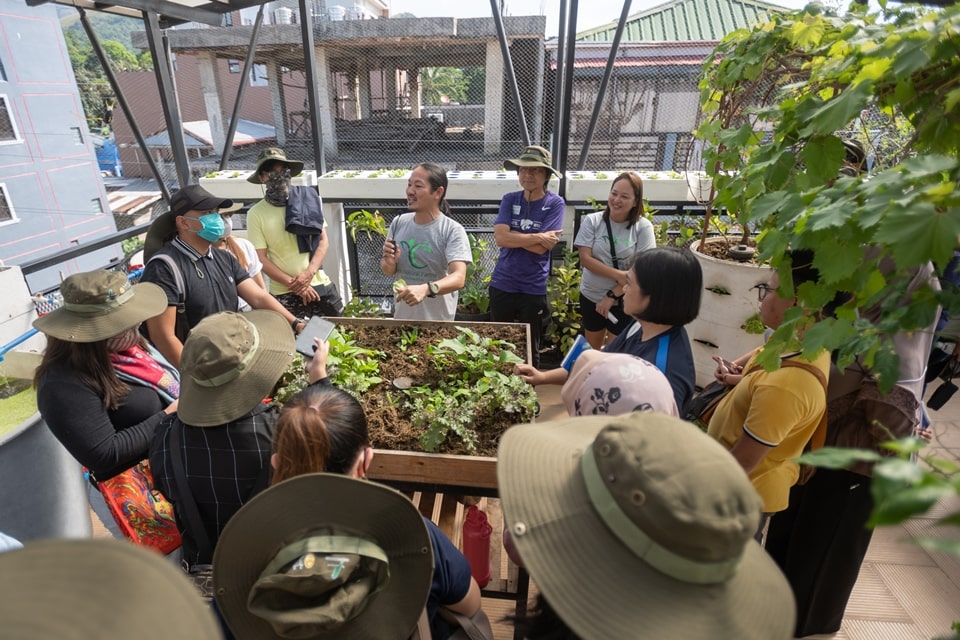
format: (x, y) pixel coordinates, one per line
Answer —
(210, 280)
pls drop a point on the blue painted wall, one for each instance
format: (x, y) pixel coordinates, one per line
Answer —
(48, 171)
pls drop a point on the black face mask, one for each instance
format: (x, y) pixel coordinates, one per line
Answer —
(278, 188)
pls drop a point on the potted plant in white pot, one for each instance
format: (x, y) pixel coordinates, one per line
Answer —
(775, 100)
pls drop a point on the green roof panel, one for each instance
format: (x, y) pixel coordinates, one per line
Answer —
(686, 20)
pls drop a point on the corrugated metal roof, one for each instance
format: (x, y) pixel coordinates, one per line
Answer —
(686, 20)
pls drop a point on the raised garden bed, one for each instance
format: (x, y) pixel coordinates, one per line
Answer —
(426, 357)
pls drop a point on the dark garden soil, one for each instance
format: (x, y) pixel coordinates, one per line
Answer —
(388, 421)
(720, 249)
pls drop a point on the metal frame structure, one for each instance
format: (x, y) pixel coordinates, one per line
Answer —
(158, 15)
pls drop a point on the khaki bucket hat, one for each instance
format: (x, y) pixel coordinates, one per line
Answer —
(533, 156)
(104, 589)
(230, 363)
(641, 521)
(274, 153)
(101, 304)
(324, 556)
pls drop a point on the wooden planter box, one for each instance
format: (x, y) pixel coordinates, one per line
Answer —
(434, 472)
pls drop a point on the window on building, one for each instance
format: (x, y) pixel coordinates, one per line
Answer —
(96, 205)
(8, 128)
(228, 19)
(233, 66)
(77, 135)
(3, 72)
(6, 207)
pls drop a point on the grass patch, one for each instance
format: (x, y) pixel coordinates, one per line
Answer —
(17, 408)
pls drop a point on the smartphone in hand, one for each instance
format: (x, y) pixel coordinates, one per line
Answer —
(316, 327)
(726, 364)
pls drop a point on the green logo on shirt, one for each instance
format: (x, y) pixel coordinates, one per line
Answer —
(411, 248)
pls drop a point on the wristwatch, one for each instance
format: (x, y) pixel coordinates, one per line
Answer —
(611, 294)
(434, 289)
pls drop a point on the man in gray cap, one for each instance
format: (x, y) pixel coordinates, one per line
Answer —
(198, 280)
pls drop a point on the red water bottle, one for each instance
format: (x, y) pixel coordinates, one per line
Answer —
(476, 544)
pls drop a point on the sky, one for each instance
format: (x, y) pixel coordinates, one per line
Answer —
(592, 13)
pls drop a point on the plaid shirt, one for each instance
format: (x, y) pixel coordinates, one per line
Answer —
(225, 467)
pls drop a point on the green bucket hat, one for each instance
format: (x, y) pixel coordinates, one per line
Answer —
(641, 521)
(230, 363)
(101, 304)
(105, 589)
(324, 556)
(532, 156)
(274, 153)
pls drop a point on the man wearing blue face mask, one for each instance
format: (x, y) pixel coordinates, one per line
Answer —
(199, 280)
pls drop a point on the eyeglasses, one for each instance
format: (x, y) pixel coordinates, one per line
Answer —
(762, 290)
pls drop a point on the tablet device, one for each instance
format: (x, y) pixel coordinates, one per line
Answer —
(316, 327)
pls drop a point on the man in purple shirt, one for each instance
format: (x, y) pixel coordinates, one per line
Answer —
(527, 227)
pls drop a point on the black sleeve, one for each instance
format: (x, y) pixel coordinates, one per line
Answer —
(78, 419)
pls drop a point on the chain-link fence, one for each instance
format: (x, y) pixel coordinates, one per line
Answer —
(397, 91)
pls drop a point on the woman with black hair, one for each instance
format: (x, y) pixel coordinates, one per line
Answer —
(662, 293)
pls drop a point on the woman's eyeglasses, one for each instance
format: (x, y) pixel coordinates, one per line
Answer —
(762, 291)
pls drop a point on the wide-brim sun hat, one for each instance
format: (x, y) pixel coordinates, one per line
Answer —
(616, 383)
(104, 589)
(274, 153)
(230, 363)
(284, 541)
(533, 156)
(191, 198)
(101, 304)
(640, 525)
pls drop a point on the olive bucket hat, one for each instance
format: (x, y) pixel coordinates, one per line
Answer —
(230, 363)
(274, 153)
(533, 156)
(101, 304)
(324, 556)
(641, 521)
(104, 589)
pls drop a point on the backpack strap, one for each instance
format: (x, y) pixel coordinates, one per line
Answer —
(181, 326)
(820, 435)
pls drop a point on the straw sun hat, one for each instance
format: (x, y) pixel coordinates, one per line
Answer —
(641, 525)
(324, 556)
(101, 304)
(230, 363)
(104, 589)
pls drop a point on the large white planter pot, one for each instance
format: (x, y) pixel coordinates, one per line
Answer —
(727, 303)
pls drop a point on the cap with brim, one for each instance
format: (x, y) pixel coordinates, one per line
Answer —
(274, 153)
(532, 156)
(640, 521)
(616, 383)
(324, 556)
(101, 304)
(230, 363)
(105, 589)
(191, 198)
